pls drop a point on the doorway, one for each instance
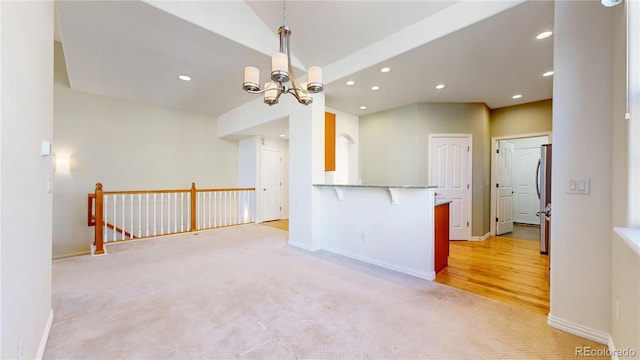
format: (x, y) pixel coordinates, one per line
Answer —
(515, 203)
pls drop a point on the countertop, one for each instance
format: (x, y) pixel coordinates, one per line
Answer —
(379, 186)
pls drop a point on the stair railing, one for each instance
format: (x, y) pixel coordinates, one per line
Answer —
(127, 215)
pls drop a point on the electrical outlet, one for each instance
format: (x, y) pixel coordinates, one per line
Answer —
(20, 349)
(617, 312)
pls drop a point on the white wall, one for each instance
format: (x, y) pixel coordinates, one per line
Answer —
(581, 224)
(365, 224)
(127, 146)
(26, 103)
(306, 158)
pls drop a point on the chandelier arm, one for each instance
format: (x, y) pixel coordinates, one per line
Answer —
(301, 100)
(281, 88)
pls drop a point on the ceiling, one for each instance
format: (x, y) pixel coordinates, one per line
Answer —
(483, 51)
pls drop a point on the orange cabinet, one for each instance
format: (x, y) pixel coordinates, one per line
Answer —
(441, 238)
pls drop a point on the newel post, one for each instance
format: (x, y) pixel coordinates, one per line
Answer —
(193, 207)
(99, 231)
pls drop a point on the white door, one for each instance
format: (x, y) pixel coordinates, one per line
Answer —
(505, 188)
(450, 172)
(525, 202)
(271, 181)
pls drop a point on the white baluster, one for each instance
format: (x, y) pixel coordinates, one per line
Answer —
(124, 201)
(161, 214)
(210, 209)
(155, 216)
(147, 216)
(115, 215)
(215, 209)
(169, 213)
(235, 205)
(140, 214)
(189, 211)
(105, 216)
(181, 212)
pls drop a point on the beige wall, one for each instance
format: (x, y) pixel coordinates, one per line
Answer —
(394, 148)
(529, 118)
(127, 146)
(26, 103)
(582, 136)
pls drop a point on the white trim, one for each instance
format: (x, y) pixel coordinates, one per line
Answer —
(631, 237)
(612, 348)
(494, 193)
(579, 330)
(401, 269)
(65, 256)
(469, 171)
(45, 336)
(480, 238)
(302, 246)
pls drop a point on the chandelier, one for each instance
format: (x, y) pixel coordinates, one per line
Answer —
(282, 73)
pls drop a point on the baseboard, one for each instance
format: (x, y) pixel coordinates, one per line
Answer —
(80, 253)
(401, 269)
(480, 238)
(45, 337)
(612, 348)
(303, 246)
(579, 330)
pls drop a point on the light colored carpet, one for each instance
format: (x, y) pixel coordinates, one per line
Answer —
(242, 292)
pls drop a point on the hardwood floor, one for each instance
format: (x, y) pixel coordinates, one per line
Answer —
(502, 268)
(505, 269)
(278, 224)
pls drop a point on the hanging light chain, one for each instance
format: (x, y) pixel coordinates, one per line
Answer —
(284, 12)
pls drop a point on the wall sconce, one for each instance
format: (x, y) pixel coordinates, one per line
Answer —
(63, 164)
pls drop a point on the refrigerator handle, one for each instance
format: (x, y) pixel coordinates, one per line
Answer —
(538, 179)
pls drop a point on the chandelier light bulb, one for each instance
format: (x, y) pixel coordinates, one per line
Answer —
(251, 79)
(279, 66)
(271, 93)
(305, 97)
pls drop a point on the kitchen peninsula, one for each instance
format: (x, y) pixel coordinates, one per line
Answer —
(388, 226)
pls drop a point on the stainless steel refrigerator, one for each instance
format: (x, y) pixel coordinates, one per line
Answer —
(543, 187)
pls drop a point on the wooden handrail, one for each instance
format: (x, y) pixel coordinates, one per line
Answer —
(95, 216)
(135, 192)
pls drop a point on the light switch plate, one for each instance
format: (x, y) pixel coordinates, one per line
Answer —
(45, 148)
(578, 186)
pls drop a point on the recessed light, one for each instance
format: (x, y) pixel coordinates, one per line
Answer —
(282, 135)
(184, 77)
(350, 83)
(548, 73)
(385, 70)
(375, 88)
(517, 96)
(363, 107)
(544, 35)
(440, 86)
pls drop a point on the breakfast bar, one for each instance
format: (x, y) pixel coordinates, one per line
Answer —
(385, 225)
